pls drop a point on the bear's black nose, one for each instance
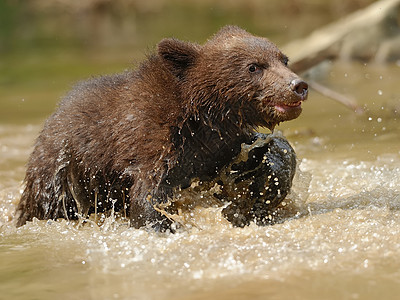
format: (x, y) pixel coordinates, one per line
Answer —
(300, 87)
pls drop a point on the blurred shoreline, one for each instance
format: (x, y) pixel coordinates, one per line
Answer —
(120, 23)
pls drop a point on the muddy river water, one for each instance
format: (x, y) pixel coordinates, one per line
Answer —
(339, 235)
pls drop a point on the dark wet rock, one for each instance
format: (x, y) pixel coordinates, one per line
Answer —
(258, 180)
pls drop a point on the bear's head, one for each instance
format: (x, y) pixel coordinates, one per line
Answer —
(235, 73)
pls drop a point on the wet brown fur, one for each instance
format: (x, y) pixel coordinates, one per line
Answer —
(129, 140)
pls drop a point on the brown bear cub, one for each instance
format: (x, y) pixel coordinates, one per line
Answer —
(129, 141)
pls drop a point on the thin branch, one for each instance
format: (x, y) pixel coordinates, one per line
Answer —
(347, 101)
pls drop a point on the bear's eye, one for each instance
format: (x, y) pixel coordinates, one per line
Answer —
(285, 60)
(253, 68)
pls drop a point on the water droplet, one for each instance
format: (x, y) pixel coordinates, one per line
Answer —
(366, 263)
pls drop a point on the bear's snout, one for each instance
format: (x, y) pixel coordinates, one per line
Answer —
(300, 88)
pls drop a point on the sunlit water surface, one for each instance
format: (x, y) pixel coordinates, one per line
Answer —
(339, 235)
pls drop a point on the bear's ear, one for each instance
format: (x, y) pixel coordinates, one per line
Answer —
(178, 55)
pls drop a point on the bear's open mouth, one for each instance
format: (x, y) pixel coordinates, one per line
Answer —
(287, 107)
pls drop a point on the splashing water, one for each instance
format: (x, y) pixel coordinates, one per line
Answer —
(341, 230)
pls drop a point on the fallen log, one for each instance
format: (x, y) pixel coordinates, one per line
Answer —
(372, 33)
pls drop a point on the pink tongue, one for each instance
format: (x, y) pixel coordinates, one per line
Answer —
(284, 108)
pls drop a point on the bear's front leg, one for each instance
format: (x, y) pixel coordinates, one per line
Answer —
(144, 199)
